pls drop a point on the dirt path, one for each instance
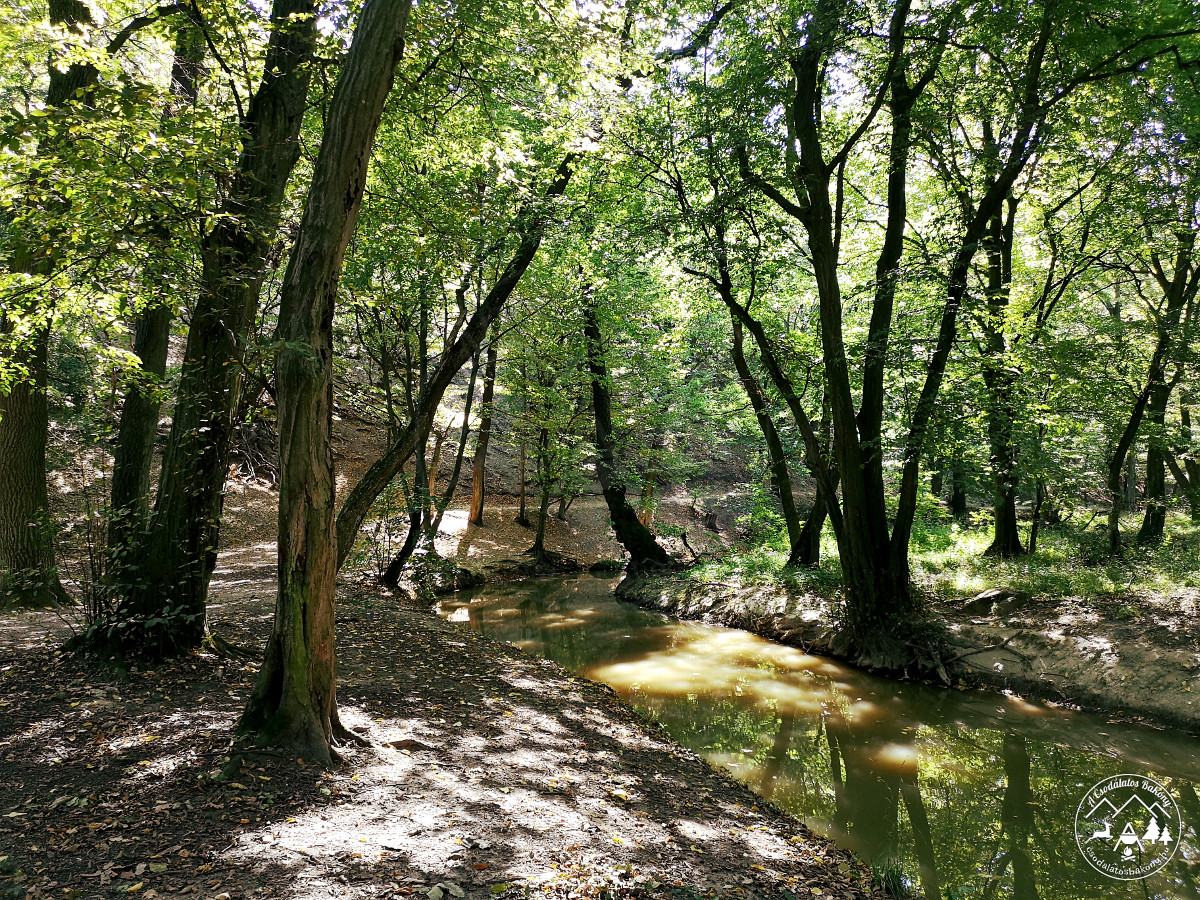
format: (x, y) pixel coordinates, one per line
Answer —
(489, 774)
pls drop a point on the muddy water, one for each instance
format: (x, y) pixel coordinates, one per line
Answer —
(951, 794)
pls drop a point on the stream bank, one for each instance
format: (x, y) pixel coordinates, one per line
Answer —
(1094, 653)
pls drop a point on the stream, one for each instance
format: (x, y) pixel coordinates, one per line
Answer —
(953, 794)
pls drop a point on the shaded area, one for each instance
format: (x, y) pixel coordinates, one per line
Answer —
(491, 773)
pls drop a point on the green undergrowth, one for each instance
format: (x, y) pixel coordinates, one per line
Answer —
(948, 561)
(1069, 562)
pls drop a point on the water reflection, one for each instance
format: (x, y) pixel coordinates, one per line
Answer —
(957, 794)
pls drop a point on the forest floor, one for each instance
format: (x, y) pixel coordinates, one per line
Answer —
(487, 773)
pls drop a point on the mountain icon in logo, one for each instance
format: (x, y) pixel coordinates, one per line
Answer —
(1155, 809)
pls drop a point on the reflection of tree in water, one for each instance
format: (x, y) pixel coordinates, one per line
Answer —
(1182, 868)
(1017, 816)
(989, 815)
(868, 788)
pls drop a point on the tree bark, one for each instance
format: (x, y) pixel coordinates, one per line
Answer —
(545, 482)
(130, 498)
(294, 702)
(479, 463)
(28, 576)
(1155, 518)
(180, 550)
(1001, 383)
(637, 540)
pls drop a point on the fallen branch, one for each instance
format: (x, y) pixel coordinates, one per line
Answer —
(999, 646)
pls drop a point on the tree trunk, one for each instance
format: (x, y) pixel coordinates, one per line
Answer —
(522, 518)
(479, 464)
(180, 551)
(1180, 291)
(28, 576)
(27, 567)
(1129, 483)
(780, 476)
(1155, 518)
(1039, 498)
(1188, 477)
(391, 575)
(130, 498)
(646, 515)
(544, 482)
(1001, 384)
(293, 704)
(958, 492)
(637, 540)
(937, 480)
(807, 552)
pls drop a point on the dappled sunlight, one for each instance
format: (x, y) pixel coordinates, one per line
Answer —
(898, 758)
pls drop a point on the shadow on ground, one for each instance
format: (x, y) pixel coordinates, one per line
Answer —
(490, 773)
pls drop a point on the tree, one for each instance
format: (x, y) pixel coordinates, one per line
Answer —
(634, 536)
(177, 552)
(484, 435)
(294, 702)
(798, 142)
(27, 568)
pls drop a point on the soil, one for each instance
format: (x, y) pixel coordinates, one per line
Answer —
(1132, 656)
(484, 773)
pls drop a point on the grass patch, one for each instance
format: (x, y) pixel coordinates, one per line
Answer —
(1068, 563)
(947, 560)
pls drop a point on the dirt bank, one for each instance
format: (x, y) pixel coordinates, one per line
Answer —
(489, 774)
(1133, 656)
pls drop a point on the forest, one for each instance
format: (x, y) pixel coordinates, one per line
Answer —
(438, 440)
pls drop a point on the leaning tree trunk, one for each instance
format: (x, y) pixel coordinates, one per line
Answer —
(780, 476)
(294, 704)
(180, 552)
(530, 226)
(637, 540)
(479, 463)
